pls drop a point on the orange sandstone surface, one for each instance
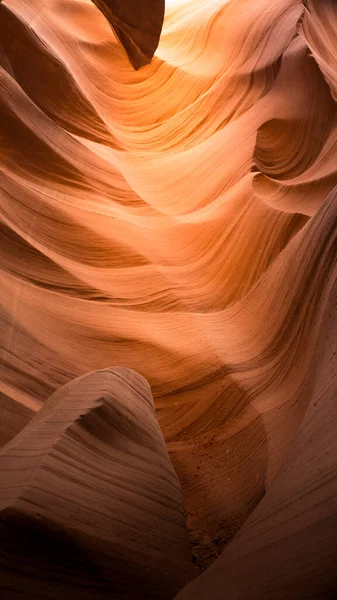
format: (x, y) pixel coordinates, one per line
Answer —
(168, 299)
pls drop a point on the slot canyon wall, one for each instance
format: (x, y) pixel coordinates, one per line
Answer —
(168, 299)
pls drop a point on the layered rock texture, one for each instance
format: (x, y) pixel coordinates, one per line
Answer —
(168, 215)
(90, 504)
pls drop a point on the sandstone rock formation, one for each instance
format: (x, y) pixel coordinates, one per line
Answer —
(179, 220)
(90, 504)
(137, 26)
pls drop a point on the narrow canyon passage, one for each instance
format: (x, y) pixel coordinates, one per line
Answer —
(168, 347)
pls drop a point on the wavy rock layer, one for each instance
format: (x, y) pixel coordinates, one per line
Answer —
(90, 505)
(287, 548)
(179, 221)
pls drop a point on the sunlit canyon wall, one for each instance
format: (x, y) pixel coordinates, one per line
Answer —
(168, 239)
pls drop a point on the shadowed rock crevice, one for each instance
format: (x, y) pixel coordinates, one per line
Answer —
(137, 24)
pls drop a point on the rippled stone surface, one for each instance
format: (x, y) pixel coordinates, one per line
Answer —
(178, 221)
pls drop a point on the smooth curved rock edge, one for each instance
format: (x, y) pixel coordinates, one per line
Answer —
(90, 504)
(179, 221)
(137, 24)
